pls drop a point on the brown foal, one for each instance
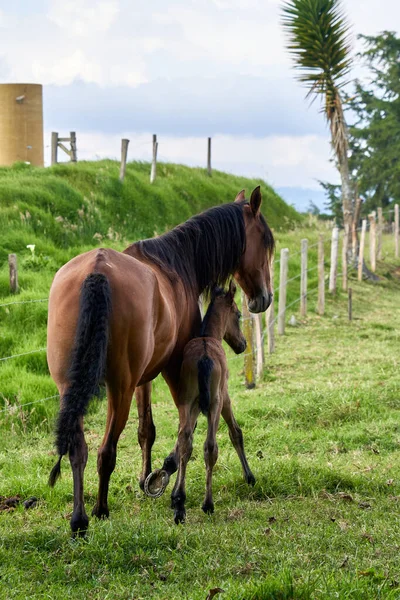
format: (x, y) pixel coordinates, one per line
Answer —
(203, 388)
(121, 318)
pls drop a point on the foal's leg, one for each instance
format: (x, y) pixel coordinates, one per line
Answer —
(188, 414)
(119, 403)
(78, 454)
(211, 453)
(146, 429)
(236, 435)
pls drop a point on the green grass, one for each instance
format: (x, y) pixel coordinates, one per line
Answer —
(322, 435)
(86, 204)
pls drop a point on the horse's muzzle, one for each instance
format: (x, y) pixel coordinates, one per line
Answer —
(260, 303)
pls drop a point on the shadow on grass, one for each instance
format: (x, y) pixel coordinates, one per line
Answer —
(286, 479)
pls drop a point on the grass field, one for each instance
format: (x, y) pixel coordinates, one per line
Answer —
(322, 429)
(322, 434)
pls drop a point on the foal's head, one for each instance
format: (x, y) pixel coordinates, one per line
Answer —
(224, 306)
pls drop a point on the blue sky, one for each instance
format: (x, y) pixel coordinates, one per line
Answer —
(184, 69)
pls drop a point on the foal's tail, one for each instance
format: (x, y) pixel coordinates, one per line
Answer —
(204, 370)
(88, 363)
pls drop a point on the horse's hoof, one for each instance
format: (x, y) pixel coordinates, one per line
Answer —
(79, 525)
(100, 513)
(179, 516)
(208, 508)
(250, 479)
(156, 483)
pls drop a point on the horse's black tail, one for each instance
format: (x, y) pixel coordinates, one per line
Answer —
(204, 370)
(88, 363)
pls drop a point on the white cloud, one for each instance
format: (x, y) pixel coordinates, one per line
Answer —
(83, 17)
(67, 68)
(248, 40)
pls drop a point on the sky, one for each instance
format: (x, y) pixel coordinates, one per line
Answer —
(185, 70)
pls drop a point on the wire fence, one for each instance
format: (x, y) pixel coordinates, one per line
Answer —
(14, 408)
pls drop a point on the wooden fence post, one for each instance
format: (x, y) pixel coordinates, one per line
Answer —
(303, 279)
(74, 156)
(396, 230)
(153, 171)
(321, 276)
(12, 263)
(282, 290)
(361, 252)
(372, 241)
(380, 232)
(334, 260)
(258, 343)
(354, 226)
(209, 170)
(350, 304)
(270, 320)
(248, 355)
(124, 156)
(54, 147)
(345, 253)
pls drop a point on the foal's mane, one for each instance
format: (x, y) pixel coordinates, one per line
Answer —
(216, 293)
(205, 250)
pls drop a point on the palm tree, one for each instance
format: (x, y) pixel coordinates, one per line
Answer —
(318, 39)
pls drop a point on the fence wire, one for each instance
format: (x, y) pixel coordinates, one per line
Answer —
(24, 302)
(23, 354)
(13, 408)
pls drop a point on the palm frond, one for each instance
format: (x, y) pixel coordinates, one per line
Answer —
(319, 42)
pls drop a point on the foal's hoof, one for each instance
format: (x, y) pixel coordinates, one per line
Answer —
(156, 483)
(250, 479)
(208, 508)
(179, 516)
(79, 525)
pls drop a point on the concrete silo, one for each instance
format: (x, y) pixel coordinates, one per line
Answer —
(21, 123)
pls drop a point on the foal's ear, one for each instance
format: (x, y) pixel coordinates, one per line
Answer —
(255, 201)
(232, 290)
(240, 197)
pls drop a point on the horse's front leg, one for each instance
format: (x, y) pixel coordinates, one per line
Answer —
(146, 429)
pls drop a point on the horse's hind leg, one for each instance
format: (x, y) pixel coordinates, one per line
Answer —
(146, 429)
(117, 415)
(211, 455)
(78, 454)
(187, 419)
(236, 436)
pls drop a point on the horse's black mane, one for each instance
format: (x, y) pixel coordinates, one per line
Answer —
(205, 250)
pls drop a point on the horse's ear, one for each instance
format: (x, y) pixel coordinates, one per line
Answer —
(255, 201)
(232, 290)
(240, 197)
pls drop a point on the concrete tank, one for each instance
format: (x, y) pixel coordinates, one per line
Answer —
(21, 123)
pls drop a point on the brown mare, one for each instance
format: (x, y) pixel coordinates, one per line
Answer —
(123, 317)
(203, 387)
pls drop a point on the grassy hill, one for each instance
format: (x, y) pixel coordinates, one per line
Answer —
(83, 204)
